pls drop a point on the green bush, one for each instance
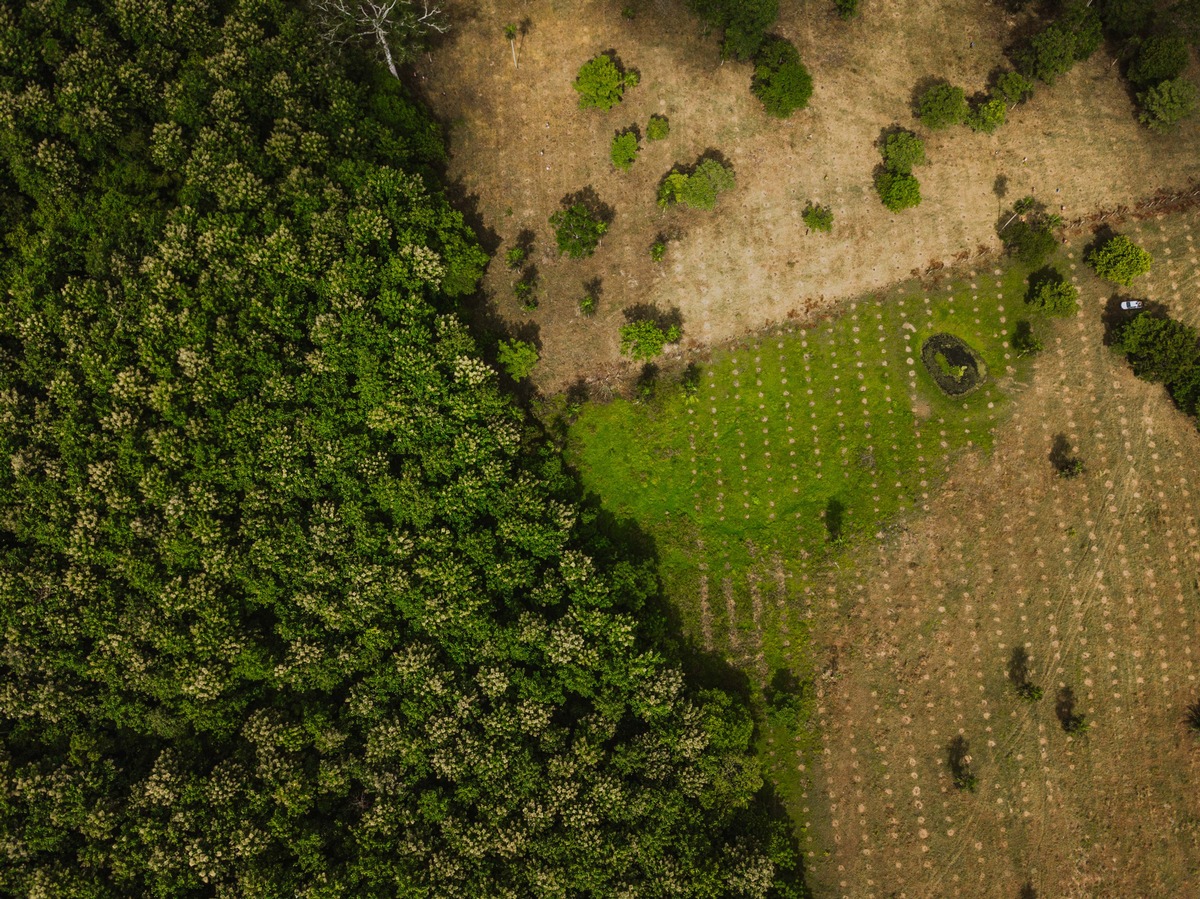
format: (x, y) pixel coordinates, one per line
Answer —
(1053, 295)
(941, 106)
(818, 217)
(644, 339)
(846, 9)
(515, 257)
(1167, 104)
(587, 305)
(658, 127)
(1162, 350)
(577, 230)
(600, 84)
(1049, 54)
(988, 115)
(781, 81)
(1119, 260)
(699, 189)
(1082, 20)
(898, 191)
(901, 151)
(518, 358)
(1125, 18)
(1024, 341)
(1031, 238)
(624, 150)
(1160, 58)
(745, 23)
(1013, 88)
(658, 250)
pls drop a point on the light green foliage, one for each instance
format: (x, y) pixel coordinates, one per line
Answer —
(1053, 295)
(901, 151)
(898, 191)
(658, 127)
(988, 115)
(514, 258)
(1167, 104)
(745, 23)
(658, 250)
(1160, 57)
(587, 305)
(624, 150)
(294, 603)
(781, 81)
(644, 339)
(517, 357)
(600, 84)
(941, 106)
(1119, 260)
(700, 189)
(818, 217)
(1160, 349)
(1013, 88)
(577, 230)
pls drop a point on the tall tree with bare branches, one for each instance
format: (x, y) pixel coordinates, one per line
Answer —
(396, 27)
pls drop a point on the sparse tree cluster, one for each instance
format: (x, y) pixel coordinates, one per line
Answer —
(898, 189)
(698, 188)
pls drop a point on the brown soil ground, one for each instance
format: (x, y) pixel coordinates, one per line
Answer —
(519, 144)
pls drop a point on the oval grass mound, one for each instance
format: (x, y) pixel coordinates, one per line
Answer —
(953, 365)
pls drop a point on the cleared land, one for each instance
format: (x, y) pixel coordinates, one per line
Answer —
(959, 547)
(520, 144)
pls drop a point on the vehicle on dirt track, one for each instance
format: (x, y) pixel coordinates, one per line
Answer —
(1132, 304)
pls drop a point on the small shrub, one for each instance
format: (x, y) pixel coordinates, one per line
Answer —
(518, 358)
(1053, 295)
(1160, 349)
(624, 150)
(632, 78)
(817, 217)
(846, 9)
(1161, 57)
(577, 230)
(658, 250)
(1013, 88)
(525, 291)
(1024, 341)
(515, 257)
(1029, 692)
(1167, 104)
(781, 81)
(1070, 468)
(941, 106)
(988, 115)
(786, 700)
(644, 339)
(600, 84)
(658, 127)
(587, 305)
(898, 191)
(1119, 260)
(699, 189)
(901, 151)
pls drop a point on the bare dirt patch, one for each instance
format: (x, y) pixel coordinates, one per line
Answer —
(520, 144)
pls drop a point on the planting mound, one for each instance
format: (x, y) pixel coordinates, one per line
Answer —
(953, 364)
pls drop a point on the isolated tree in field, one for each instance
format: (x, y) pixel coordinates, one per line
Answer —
(897, 190)
(396, 28)
(1160, 57)
(901, 151)
(518, 358)
(1159, 349)
(577, 230)
(1031, 240)
(510, 32)
(658, 127)
(624, 151)
(1025, 341)
(818, 217)
(600, 84)
(1013, 88)
(988, 115)
(1053, 294)
(700, 189)
(941, 106)
(781, 81)
(1167, 104)
(644, 339)
(1119, 260)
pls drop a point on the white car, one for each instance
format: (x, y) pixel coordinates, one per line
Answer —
(1132, 304)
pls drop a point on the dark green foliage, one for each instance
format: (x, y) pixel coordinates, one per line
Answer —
(1159, 349)
(1160, 57)
(517, 357)
(1185, 390)
(658, 127)
(1083, 22)
(577, 230)
(901, 151)
(1167, 104)
(1192, 717)
(744, 22)
(1119, 260)
(624, 150)
(1053, 294)
(781, 81)
(988, 115)
(787, 700)
(700, 189)
(645, 339)
(1050, 54)
(846, 9)
(1125, 18)
(818, 217)
(294, 604)
(1185, 17)
(959, 761)
(600, 84)
(1031, 242)
(941, 106)
(898, 191)
(1013, 88)
(1025, 341)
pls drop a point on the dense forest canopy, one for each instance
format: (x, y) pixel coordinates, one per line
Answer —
(294, 603)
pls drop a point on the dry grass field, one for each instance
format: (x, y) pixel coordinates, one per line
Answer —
(520, 144)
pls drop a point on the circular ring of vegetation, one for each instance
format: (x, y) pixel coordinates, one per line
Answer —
(953, 365)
